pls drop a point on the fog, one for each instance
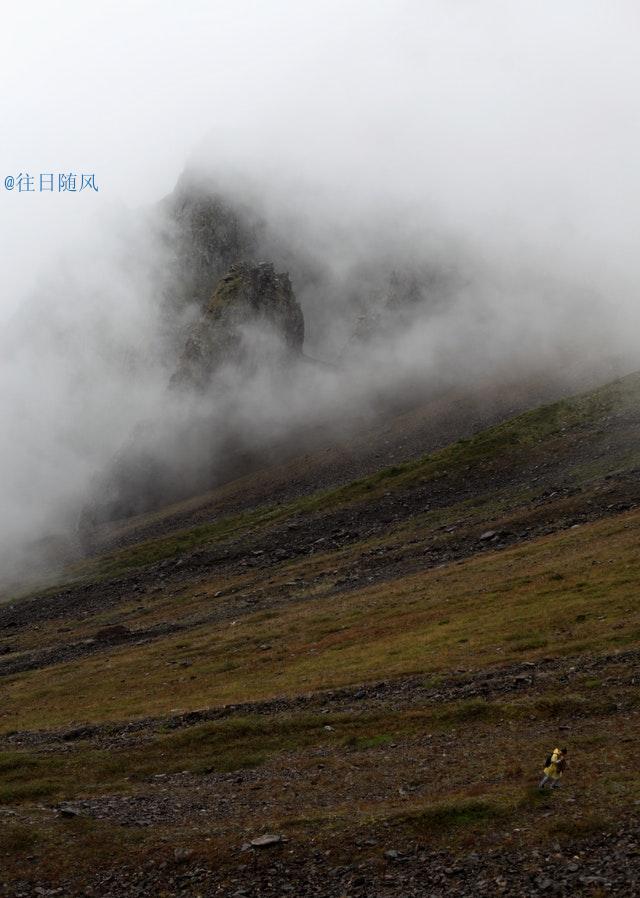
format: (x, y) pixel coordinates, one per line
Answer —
(487, 150)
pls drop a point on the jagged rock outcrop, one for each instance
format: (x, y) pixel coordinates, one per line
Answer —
(248, 296)
(252, 320)
(408, 295)
(207, 232)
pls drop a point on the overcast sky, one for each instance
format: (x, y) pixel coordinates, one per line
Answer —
(509, 130)
(516, 119)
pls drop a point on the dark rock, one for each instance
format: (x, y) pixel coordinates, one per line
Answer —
(112, 633)
(488, 534)
(207, 233)
(68, 812)
(83, 732)
(247, 295)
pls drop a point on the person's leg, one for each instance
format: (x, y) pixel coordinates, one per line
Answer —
(555, 784)
(543, 782)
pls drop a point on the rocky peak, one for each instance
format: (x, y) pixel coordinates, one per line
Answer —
(207, 233)
(248, 294)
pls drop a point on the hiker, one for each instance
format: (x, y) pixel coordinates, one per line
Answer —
(554, 767)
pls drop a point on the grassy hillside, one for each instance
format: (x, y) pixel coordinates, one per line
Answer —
(379, 665)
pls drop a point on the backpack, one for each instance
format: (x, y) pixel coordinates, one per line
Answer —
(547, 763)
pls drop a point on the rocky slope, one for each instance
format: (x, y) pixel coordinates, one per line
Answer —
(369, 675)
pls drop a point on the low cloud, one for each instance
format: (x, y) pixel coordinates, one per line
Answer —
(478, 158)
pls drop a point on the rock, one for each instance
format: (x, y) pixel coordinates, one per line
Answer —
(180, 855)
(207, 232)
(112, 633)
(488, 534)
(408, 291)
(267, 841)
(68, 812)
(247, 296)
(84, 732)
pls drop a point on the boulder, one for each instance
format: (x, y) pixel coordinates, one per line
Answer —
(68, 812)
(267, 841)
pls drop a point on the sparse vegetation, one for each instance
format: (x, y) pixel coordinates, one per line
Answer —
(493, 672)
(454, 814)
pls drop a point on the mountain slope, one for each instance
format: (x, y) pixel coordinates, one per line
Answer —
(373, 671)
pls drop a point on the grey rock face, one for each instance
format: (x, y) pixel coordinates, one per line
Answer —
(252, 321)
(408, 295)
(207, 234)
(248, 295)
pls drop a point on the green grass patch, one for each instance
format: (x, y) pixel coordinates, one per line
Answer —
(454, 814)
(471, 709)
(361, 743)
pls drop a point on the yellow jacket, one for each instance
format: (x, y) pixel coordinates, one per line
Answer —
(552, 769)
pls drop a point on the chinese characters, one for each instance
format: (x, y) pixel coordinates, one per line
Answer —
(52, 182)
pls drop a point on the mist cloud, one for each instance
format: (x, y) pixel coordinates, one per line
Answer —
(490, 150)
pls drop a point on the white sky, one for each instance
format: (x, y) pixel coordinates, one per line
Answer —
(508, 117)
